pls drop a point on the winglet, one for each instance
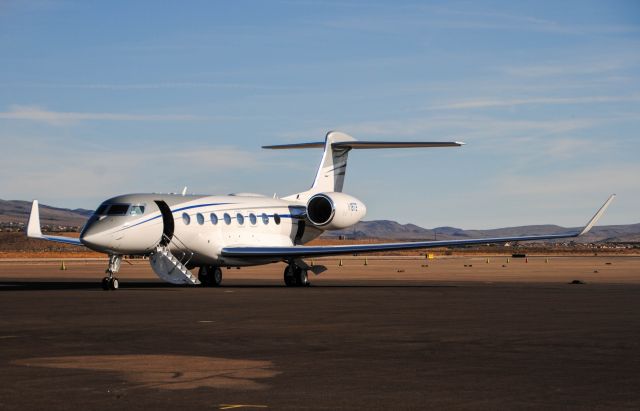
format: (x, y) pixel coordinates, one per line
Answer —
(597, 216)
(33, 226)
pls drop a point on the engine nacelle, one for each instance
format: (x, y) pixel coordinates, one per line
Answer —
(334, 211)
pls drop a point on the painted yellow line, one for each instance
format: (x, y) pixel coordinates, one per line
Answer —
(236, 406)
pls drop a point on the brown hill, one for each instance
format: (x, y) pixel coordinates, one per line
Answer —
(395, 231)
(16, 213)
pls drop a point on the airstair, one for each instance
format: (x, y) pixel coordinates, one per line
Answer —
(171, 268)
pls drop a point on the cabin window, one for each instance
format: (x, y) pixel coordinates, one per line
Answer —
(276, 218)
(240, 218)
(118, 209)
(214, 218)
(137, 210)
(265, 218)
(200, 218)
(253, 219)
(101, 210)
(227, 219)
(186, 218)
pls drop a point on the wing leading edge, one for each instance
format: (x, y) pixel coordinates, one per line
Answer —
(34, 231)
(317, 251)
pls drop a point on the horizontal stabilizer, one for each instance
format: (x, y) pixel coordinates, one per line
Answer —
(396, 144)
(368, 144)
(319, 144)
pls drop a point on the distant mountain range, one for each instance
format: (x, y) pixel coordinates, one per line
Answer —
(17, 212)
(396, 231)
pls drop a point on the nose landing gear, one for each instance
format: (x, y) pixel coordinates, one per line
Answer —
(110, 282)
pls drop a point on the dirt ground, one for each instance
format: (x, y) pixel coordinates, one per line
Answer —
(606, 270)
(395, 334)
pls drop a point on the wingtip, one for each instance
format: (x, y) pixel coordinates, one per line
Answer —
(597, 216)
(33, 225)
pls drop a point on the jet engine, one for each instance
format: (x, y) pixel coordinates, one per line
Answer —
(334, 211)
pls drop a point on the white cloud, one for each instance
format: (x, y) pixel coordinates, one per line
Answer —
(563, 148)
(420, 16)
(621, 179)
(471, 20)
(38, 114)
(455, 126)
(488, 103)
(68, 170)
(141, 86)
(606, 64)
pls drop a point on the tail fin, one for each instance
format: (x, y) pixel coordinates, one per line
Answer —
(330, 174)
(333, 166)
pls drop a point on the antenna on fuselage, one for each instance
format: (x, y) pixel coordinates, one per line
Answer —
(184, 191)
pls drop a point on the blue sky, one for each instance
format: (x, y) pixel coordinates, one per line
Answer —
(104, 98)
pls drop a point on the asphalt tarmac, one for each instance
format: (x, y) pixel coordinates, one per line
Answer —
(348, 343)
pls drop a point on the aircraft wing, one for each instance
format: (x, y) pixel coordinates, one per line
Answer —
(34, 231)
(317, 251)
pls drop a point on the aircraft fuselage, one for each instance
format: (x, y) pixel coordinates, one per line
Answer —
(134, 224)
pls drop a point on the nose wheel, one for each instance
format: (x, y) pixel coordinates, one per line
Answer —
(295, 276)
(110, 282)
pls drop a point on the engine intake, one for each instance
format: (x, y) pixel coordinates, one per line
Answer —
(334, 211)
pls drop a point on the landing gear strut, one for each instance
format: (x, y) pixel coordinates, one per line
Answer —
(295, 276)
(110, 282)
(210, 276)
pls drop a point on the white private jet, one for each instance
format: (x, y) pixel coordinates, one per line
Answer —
(182, 232)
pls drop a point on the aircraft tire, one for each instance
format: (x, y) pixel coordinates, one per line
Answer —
(105, 284)
(114, 284)
(302, 278)
(204, 276)
(289, 277)
(216, 277)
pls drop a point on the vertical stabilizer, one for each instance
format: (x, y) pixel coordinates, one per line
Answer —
(333, 166)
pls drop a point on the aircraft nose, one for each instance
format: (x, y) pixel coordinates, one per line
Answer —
(95, 238)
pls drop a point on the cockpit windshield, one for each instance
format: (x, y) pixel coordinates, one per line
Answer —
(102, 210)
(136, 210)
(119, 209)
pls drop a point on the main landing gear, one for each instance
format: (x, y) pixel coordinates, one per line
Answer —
(110, 282)
(210, 276)
(295, 276)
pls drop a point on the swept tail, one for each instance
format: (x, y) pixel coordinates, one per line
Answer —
(333, 166)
